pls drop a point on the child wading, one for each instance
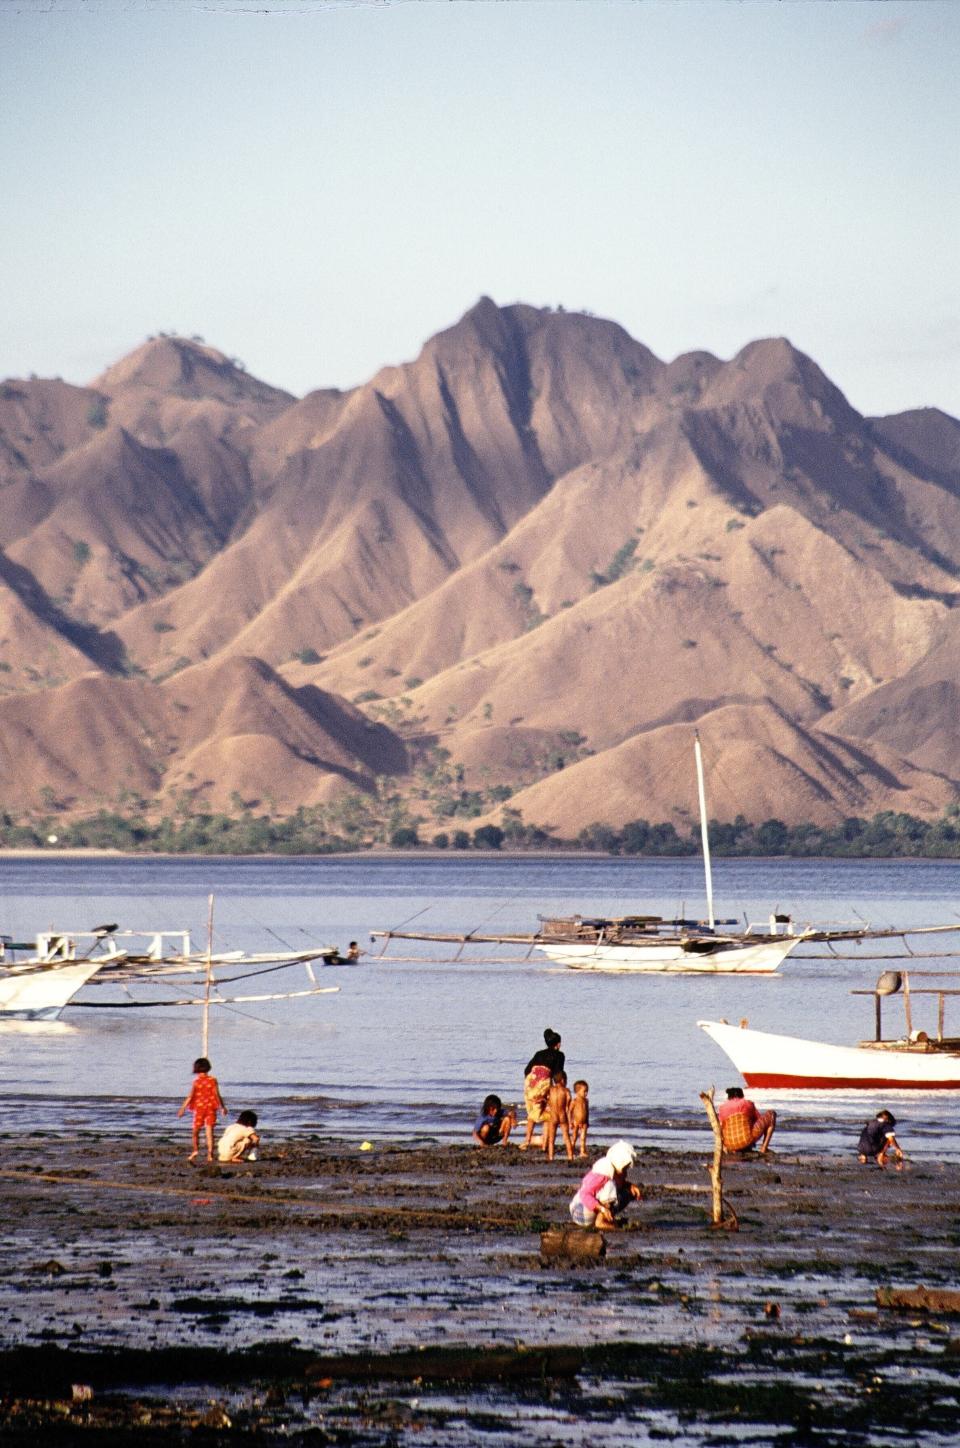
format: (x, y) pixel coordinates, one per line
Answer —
(204, 1101)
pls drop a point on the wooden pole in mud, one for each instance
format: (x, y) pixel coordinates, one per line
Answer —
(205, 1047)
(717, 1218)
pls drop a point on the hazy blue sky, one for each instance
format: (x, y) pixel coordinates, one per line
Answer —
(318, 187)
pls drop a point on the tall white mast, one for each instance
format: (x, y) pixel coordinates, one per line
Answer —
(205, 1047)
(704, 832)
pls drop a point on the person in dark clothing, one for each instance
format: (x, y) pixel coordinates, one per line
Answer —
(877, 1138)
(537, 1075)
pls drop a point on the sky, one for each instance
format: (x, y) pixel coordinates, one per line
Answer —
(318, 186)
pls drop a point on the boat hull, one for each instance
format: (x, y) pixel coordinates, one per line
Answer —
(786, 1063)
(42, 993)
(669, 956)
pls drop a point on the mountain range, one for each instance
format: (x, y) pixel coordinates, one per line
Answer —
(514, 572)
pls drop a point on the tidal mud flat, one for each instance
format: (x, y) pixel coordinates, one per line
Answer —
(330, 1295)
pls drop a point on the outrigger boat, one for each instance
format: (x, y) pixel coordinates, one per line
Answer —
(640, 943)
(915, 1061)
(58, 964)
(650, 944)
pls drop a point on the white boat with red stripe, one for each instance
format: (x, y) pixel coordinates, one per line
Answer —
(918, 1061)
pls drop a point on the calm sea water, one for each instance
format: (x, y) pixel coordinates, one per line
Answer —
(408, 1049)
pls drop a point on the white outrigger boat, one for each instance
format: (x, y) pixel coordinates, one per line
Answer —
(915, 1061)
(654, 945)
(650, 944)
(58, 964)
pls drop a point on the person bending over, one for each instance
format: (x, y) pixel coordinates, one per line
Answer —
(877, 1139)
(605, 1193)
(239, 1142)
(495, 1123)
(743, 1126)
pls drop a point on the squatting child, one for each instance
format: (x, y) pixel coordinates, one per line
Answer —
(495, 1123)
(877, 1138)
(204, 1101)
(239, 1142)
(579, 1118)
(558, 1112)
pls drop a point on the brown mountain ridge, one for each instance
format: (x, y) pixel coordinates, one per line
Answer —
(526, 562)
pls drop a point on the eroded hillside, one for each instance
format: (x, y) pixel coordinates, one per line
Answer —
(508, 575)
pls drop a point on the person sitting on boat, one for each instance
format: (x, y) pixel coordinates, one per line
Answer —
(239, 1142)
(495, 1123)
(877, 1138)
(742, 1125)
(605, 1193)
(537, 1076)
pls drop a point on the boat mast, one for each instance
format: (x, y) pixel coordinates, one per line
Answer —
(704, 833)
(205, 1047)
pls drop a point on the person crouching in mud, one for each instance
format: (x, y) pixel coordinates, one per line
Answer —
(605, 1193)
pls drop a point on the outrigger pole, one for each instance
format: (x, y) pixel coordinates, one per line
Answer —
(704, 832)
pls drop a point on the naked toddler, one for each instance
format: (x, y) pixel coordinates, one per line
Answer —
(558, 1110)
(579, 1116)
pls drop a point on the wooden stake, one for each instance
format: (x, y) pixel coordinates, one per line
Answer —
(717, 1217)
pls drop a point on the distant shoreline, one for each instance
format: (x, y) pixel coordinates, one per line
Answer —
(94, 852)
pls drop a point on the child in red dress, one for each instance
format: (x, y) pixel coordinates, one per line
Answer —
(204, 1101)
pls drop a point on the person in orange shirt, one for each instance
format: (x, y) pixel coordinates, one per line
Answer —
(204, 1101)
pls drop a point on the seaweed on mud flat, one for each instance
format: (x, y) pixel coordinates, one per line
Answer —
(697, 1384)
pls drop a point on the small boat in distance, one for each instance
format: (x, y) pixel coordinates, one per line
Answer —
(36, 986)
(914, 1061)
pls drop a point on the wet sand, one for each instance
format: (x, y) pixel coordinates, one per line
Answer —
(329, 1295)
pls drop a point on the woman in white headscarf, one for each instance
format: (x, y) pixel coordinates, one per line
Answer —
(605, 1193)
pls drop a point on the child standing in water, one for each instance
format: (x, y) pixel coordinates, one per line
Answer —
(558, 1109)
(579, 1116)
(204, 1101)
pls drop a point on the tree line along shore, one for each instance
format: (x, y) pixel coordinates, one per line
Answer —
(314, 831)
